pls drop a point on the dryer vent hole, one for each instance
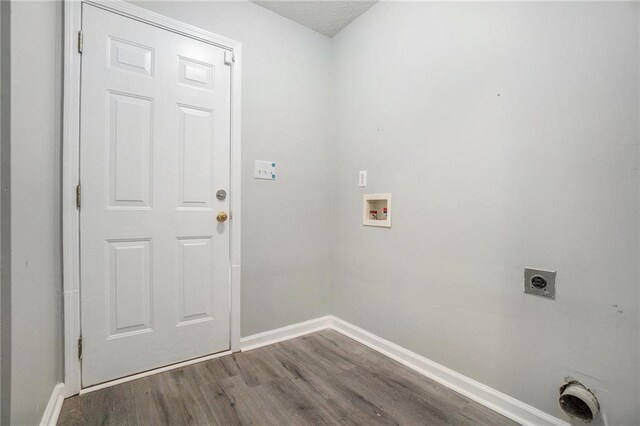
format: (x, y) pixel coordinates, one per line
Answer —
(578, 402)
(575, 407)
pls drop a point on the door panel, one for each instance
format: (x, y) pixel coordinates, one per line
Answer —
(196, 157)
(130, 56)
(129, 280)
(129, 120)
(155, 135)
(195, 280)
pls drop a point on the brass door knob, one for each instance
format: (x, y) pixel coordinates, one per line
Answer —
(222, 216)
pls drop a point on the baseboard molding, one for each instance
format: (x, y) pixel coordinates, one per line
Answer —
(497, 401)
(285, 333)
(52, 411)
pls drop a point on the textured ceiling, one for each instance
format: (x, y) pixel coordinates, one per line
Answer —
(327, 16)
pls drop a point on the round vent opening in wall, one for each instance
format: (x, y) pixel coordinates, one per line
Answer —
(578, 402)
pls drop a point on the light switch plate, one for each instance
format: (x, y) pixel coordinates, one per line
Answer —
(362, 178)
(264, 170)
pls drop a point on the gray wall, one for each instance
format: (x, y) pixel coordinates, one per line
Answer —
(508, 135)
(286, 104)
(286, 82)
(36, 293)
(5, 234)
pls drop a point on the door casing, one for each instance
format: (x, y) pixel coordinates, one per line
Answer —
(71, 170)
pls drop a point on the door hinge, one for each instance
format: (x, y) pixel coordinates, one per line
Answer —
(80, 42)
(78, 196)
(80, 347)
(229, 58)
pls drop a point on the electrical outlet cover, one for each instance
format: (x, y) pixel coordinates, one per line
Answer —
(264, 170)
(540, 282)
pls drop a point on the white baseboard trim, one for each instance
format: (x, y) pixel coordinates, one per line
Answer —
(246, 344)
(285, 333)
(497, 401)
(52, 410)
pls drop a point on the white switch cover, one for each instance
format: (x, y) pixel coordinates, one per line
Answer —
(362, 179)
(264, 170)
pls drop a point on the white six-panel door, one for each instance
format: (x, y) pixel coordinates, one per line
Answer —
(154, 149)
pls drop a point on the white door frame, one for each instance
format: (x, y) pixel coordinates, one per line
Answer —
(71, 170)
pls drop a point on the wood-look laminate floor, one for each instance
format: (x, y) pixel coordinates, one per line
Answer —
(322, 378)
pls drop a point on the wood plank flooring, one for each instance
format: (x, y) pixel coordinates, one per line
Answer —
(319, 379)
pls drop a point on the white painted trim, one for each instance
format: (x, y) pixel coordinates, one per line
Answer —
(52, 411)
(497, 401)
(157, 20)
(246, 344)
(71, 171)
(285, 333)
(70, 178)
(234, 196)
(235, 306)
(152, 372)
